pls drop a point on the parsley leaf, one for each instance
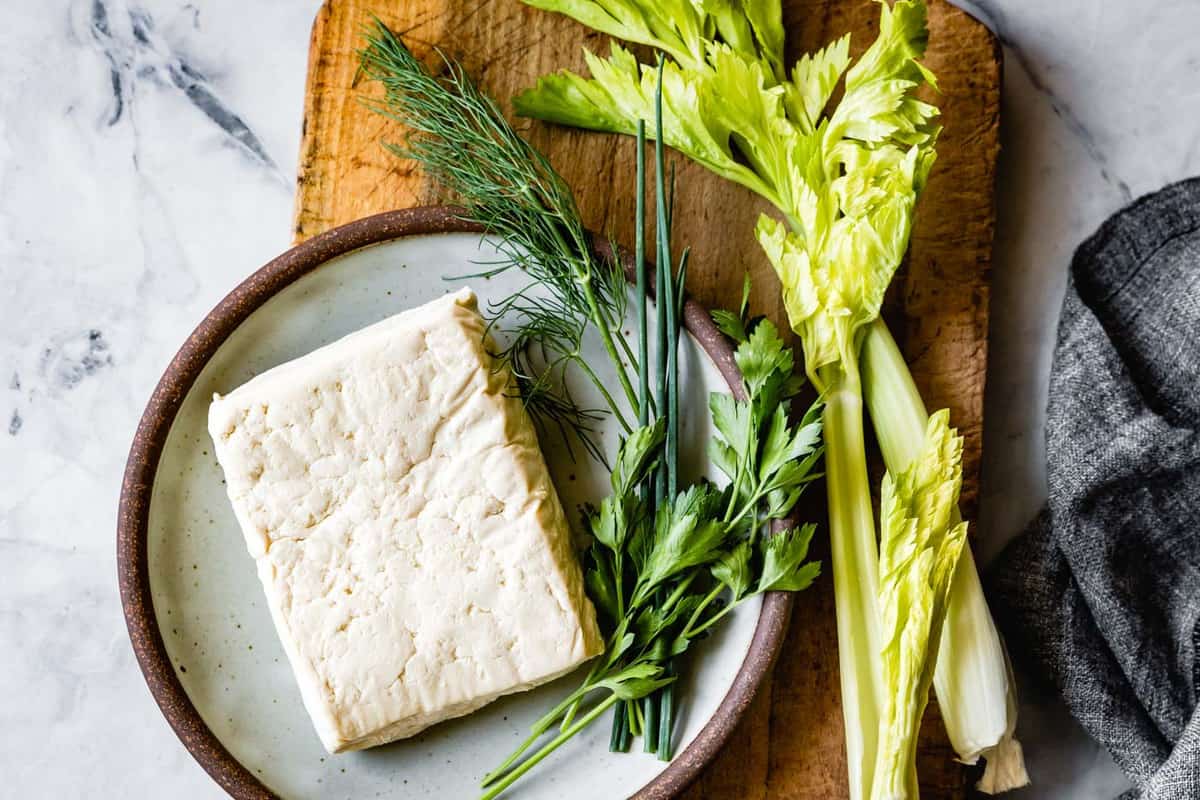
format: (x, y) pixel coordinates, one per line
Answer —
(784, 568)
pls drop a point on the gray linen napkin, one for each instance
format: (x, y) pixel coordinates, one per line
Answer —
(1103, 590)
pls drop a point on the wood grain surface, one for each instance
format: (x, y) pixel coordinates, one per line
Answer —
(790, 744)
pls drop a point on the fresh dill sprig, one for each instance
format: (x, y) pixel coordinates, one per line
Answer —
(461, 139)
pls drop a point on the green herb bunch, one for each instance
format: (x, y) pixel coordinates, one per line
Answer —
(666, 564)
(661, 579)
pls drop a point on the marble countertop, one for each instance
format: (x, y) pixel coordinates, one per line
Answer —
(146, 155)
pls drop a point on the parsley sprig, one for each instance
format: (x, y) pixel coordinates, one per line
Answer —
(707, 549)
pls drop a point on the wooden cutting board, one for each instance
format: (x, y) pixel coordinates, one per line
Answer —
(790, 744)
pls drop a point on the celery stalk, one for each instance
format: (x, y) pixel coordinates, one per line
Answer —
(972, 680)
(855, 572)
(921, 541)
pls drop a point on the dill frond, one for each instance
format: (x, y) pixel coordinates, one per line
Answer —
(461, 139)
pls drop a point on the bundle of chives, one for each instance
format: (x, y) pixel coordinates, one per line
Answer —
(619, 740)
(660, 706)
(654, 718)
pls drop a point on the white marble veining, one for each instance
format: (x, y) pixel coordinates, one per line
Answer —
(146, 155)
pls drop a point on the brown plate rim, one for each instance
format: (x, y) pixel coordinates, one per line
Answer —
(133, 569)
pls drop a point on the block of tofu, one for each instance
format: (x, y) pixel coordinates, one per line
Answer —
(414, 553)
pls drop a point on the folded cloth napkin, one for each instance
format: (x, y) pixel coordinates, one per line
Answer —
(1103, 590)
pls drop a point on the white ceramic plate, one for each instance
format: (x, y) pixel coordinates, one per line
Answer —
(212, 615)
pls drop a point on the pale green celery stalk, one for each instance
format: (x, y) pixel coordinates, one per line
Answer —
(855, 569)
(973, 680)
(921, 541)
(830, 308)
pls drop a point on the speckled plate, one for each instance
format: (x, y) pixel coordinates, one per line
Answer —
(196, 612)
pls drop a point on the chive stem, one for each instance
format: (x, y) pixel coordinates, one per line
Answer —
(617, 738)
(639, 229)
(650, 729)
(666, 717)
(663, 262)
(662, 304)
(673, 379)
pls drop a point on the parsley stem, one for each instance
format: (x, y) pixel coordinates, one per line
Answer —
(749, 506)
(619, 589)
(549, 748)
(680, 589)
(577, 697)
(742, 471)
(635, 715)
(708, 598)
(537, 729)
(629, 725)
(713, 620)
